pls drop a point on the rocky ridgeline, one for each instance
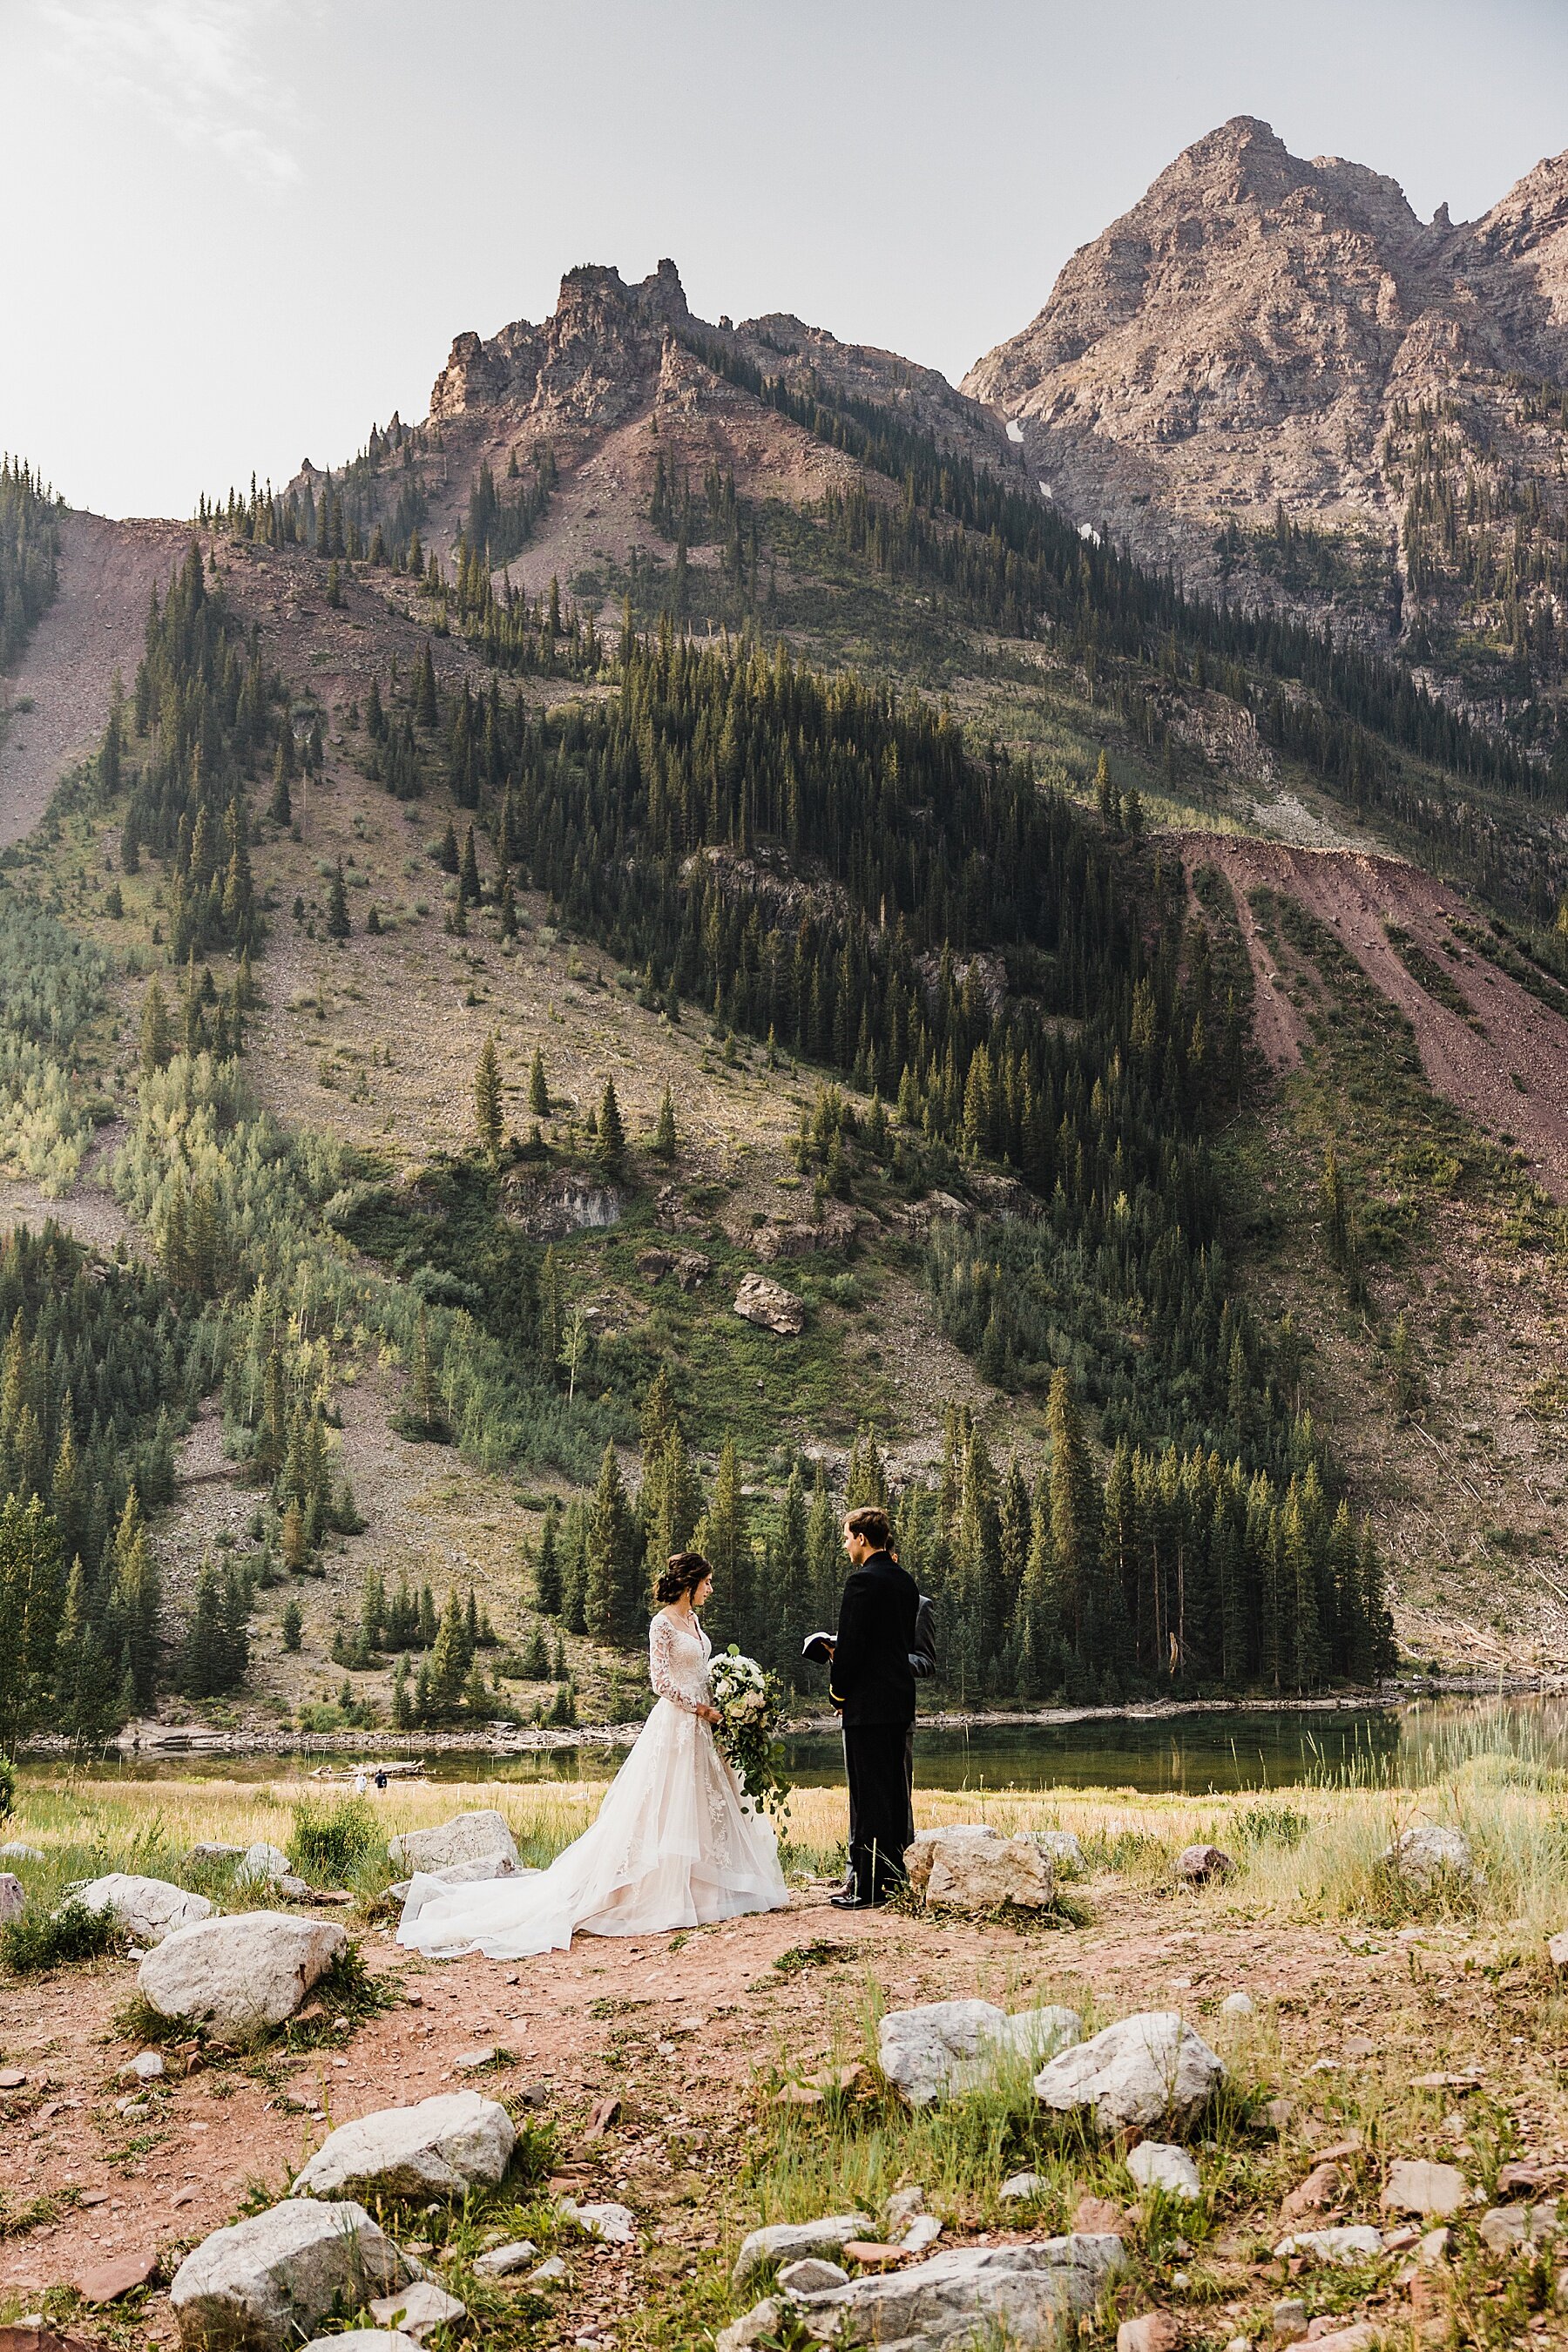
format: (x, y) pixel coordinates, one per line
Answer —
(1242, 334)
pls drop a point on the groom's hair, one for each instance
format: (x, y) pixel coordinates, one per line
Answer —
(872, 1522)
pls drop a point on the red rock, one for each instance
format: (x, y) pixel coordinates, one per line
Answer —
(1152, 2331)
(1098, 2217)
(22, 2337)
(872, 2257)
(1318, 2193)
(111, 2280)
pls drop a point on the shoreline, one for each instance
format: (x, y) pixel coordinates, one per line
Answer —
(151, 1740)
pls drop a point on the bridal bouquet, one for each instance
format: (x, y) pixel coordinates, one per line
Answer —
(748, 1704)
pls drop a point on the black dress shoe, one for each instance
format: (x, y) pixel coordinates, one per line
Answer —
(855, 1901)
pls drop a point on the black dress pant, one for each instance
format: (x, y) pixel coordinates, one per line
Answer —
(876, 1765)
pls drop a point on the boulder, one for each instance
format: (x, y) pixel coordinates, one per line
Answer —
(417, 2309)
(1021, 2185)
(211, 1853)
(612, 2225)
(692, 1269)
(12, 1896)
(758, 2326)
(1060, 1844)
(147, 2067)
(438, 2147)
(1427, 1855)
(1155, 2164)
(239, 1975)
(18, 1850)
(973, 1867)
(501, 2261)
(260, 1863)
(1198, 1863)
(1238, 2004)
(362, 2339)
(1508, 2226)
(1152, 2331)
(786, 2242)
(1022, 2294)
(147, 1908)
(810, 2275)
(1151, 2068)
(1556, 1947)
(771, 1307)
(1357, 2242)
(550, 2273)
(945, 2047)
(1439, 2191)
(267, 2281)
(468, 1837)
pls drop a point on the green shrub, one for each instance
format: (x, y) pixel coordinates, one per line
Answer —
(39, 1939)
(331, 1841)
(1271, 1825)
(7, 1788)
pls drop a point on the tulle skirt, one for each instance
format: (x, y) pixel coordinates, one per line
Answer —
(675, 1844)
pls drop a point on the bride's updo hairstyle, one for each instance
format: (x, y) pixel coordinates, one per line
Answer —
(684, 1573)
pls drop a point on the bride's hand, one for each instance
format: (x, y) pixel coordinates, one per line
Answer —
(710, 1715)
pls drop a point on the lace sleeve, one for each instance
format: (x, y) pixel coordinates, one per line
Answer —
(661, 1663)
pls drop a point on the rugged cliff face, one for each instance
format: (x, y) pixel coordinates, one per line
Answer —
(1261, 330)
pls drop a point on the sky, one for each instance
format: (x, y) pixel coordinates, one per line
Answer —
(243, 230)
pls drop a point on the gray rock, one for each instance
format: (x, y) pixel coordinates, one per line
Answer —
(12, 1896)
(260, 1863)
(292, 1889)
(211, 1853)
(1508, 2226)
(1149, 2069)
(16, 1850)
(1061, 1845)
(1357, 2242)
(786, 2242)
(267, 2281)
(1288, 2320)
(1199, 1864)
(1021, 2185)
(901, 2208)
(945, 2047)
(1436, 2190)
(1238, 2004)
(1023, 2294)
(1155, 2164)
(810, 2275)
(612, 2225)
(973, 1867)
(239, 1975)
(438, 2147)
(755, 2326)
(1427, 1855)
(923, 2231)
(145, 2067)
(417, 2309)
(362, 2339)
(147, 1908)
(501, 2261)
(467, 1837)
(771, 1307)
(550, 2271)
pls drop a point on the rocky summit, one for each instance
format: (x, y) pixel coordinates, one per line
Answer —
(1261, 330)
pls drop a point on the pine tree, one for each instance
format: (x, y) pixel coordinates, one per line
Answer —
(447, 856)
(338, 924)
(293, 1624)
(664, 1142)
(547, 1567)
(723, 1537)
(425, 705)
(538, 1091)
(488, 1118)
(614, 1559)
(468, 891)
(610, 1142)
(157, 1038)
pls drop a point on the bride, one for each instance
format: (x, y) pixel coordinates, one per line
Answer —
(676, 1844)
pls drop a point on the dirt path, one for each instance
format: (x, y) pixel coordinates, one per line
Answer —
(678, 2029)
(108, 571)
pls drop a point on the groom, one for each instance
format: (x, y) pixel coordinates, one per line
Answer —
(873, 1686)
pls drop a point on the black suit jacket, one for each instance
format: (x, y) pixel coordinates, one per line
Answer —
(871, 1681)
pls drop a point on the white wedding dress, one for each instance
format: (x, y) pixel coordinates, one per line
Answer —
(675, 1843)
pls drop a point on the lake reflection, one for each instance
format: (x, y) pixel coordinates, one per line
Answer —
(1233, 1748)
